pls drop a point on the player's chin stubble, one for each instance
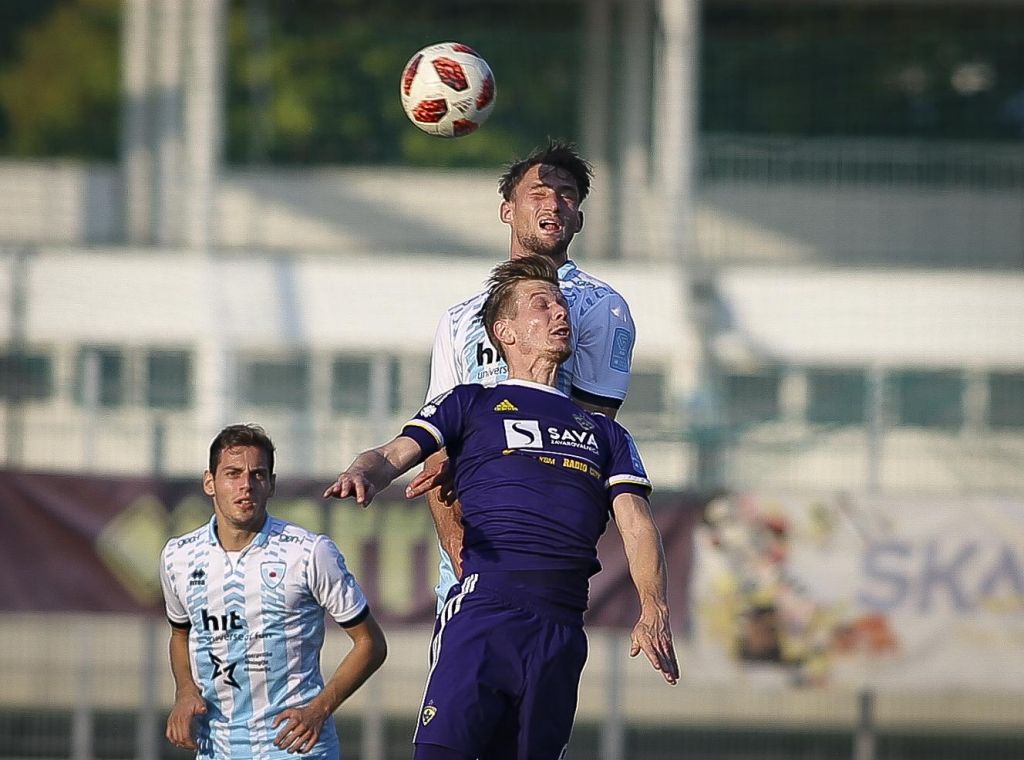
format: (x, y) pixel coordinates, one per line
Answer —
(539, 247)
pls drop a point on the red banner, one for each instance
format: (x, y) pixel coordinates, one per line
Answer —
(82, 543)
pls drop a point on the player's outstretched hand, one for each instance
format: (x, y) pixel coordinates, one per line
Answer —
(301, 728)
(431, 478)
(179, 722)
(352, 484)
(652, 636)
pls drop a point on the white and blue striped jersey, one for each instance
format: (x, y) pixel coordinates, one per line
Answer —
(597, 372)
(602, 343)
(256, 630)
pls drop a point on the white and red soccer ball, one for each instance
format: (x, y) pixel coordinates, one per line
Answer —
(447, 89)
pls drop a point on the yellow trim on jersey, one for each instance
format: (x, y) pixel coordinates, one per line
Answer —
(430, 429)
(635, 480)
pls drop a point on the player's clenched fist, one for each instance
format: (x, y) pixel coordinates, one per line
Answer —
(179, 723)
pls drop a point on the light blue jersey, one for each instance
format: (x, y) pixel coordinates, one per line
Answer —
(256, 625)
(597, 372)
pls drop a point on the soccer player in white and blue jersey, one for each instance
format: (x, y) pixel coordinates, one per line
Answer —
(541, 198)
(245, 595)
(538, 478)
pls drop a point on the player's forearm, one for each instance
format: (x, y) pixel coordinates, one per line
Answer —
(362, 661)
(646, 558)
(375, 467)
(181, 667)
(448, 522)
(645, 554)
(447, 514)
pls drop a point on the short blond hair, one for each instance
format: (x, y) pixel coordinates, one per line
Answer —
(501, 288)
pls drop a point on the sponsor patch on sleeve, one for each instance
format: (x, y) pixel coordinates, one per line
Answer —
(634, 455)
(622, 342)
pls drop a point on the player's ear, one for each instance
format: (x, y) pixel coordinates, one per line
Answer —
(579, 221)
(505, 212)
(208, 483)
(503, 332)
(273, 485)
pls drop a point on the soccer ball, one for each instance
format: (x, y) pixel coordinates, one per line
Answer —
(447, 89)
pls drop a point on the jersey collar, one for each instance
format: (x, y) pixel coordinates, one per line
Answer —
(567, 270)
(270, 525)
(536, 386)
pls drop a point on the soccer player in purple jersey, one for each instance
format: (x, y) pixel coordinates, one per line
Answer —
(538, 477)
(542, 196)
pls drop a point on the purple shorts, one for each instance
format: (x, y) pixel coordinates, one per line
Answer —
(504, 677)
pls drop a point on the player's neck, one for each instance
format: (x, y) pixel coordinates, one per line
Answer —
(234, 538)
(536, 369)
(558, 259)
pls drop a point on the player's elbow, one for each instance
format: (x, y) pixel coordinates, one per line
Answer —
(378, 653)
(376, 645)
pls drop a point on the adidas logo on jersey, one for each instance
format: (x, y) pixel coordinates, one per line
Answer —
(506, 406)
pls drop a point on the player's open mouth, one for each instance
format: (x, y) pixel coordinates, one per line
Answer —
(560, 332)
(550, 225)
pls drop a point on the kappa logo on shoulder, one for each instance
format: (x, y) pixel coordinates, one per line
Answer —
(506, 406)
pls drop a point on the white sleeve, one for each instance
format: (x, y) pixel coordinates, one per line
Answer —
(332, 585)
(603, 355)
(176, 611)
(444, 371)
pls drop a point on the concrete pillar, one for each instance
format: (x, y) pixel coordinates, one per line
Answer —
(168, 44)
(595, 92)
(634, 217)
(204, 120)
(136, 121)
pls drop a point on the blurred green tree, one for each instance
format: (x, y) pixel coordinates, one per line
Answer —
(60, 94)
(307, 83)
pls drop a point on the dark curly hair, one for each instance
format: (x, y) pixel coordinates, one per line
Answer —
(561, 155)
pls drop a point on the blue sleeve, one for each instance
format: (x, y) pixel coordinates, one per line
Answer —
(603, 355)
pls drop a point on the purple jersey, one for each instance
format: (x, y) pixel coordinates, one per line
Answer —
(535, 474)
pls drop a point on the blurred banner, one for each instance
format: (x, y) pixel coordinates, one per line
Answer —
(852, 591)
(92, 544)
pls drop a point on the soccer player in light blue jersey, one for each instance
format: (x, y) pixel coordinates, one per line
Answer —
(541, 199)
(538, 478)
(245, 595)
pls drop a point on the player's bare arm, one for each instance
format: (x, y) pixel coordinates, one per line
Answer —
(300, 726)
(444, 506)
(188, 700)
(436, 476)
(645, 556)
(375, 469)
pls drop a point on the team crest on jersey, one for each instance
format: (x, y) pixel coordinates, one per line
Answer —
(428, 714)
(430, 408)
(583, 421)
(273, 573)
(506, 406)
